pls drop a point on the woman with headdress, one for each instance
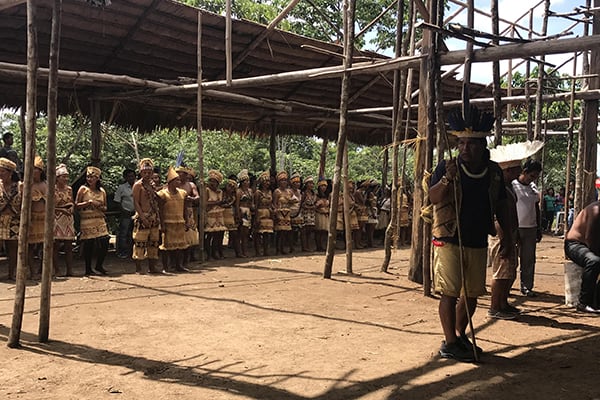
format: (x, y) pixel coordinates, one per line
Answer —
(231, 215)
(215, 225)
(192, 201)
(322, 214)
(361, 208)
(371, 209)
(172, 222)
(39, 191)
(296, 219)
(340, 222)
(10, 212)
(64, 230)
(405, 216)
(263, 224)
(91, 204)
(245, 209)
(282, 201)
(309, 198)
(384, 208)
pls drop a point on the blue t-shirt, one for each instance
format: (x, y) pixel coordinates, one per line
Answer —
(475, 211)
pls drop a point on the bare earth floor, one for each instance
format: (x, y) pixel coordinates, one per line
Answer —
(273, 328)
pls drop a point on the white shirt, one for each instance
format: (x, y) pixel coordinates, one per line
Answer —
(124, 195)
(527, 197)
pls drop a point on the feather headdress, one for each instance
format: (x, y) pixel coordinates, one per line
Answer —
(478, 124)
(511, 155)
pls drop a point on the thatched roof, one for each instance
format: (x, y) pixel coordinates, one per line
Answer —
(156, 40)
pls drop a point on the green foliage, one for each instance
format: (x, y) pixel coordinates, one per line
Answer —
(318, 19)
(554, 152)
(227, 152)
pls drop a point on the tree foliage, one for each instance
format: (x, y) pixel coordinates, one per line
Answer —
(554, 152)
(225, 151)
(318, 19)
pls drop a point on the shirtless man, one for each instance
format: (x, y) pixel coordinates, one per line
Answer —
(582, 246)
(146, 220)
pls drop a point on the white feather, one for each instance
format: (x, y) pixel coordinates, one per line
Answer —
(515, 151)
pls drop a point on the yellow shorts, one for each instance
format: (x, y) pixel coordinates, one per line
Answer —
(446, 264)
(503, 268)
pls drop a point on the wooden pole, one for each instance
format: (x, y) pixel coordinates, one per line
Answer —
(578, 202)
(48, 259)
(346, 205)
(496, 90)
(590, 119)
(398, 95)
(22, 254)
(273, 148)
(528, 105)
(323, 158)
(415, 272)
(569, 147)
(540, 79)
(507, 51)
(200, 141)
(96, 133)
(228, 57)
(349, 34)
(341, 142)
(260, 38)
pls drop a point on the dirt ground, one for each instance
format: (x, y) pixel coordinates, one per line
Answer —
(273, 328)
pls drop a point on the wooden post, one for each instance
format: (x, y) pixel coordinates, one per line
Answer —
(569, 146)
(590, 118)
(228, 57)
(347, 225)
(48, 260)
(540, 79)
(530, 133)
(398, 96)
(96, 133)
(200, 141)
(22, 256)
(342, 137)
(496, 91)
(578, 202)
(323, 158)
(415, 273)
(273, 148)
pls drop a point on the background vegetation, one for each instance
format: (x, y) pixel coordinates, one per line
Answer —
(227, 152)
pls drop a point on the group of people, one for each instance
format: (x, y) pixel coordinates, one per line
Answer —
(480, 194)
(270, 211)
(158, 219)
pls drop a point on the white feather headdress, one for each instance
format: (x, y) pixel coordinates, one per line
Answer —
(511, 155)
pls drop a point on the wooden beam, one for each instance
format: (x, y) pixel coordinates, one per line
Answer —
(264, 34)
(124, 41)
(5, 4)
(507, 51)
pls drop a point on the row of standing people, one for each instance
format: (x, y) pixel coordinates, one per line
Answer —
(152, 219)
(293, 210)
